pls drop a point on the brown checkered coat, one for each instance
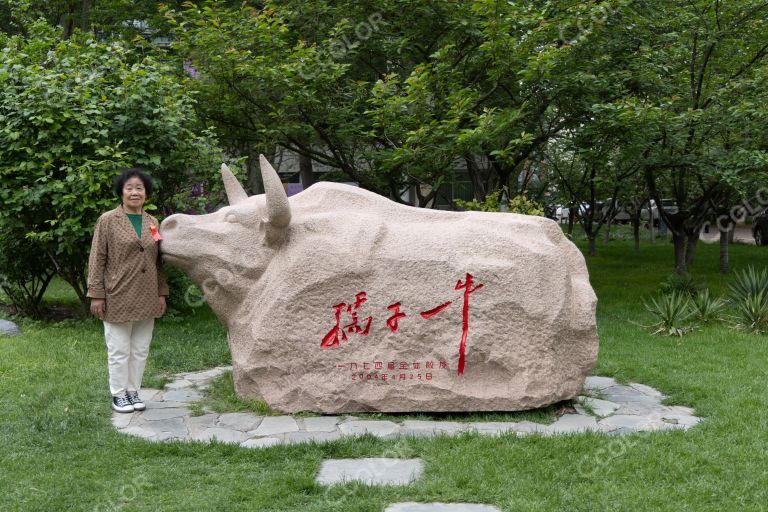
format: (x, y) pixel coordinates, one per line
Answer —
(125, 270)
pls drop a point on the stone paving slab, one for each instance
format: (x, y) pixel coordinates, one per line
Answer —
(602, 408)
(382, 429)
(321, 424)
(373, 471)
(275, 425)
(439, 507)
(620, 410)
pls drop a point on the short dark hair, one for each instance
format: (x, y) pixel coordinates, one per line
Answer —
(128, 174)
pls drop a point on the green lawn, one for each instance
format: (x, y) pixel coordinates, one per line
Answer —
(60, 452)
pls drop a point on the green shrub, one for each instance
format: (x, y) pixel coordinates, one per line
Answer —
(752, 312)
(748, 292)
(705, 307)
(672, 312)
(747, 284)
(517, 204)
(25, 271)
(683, 284)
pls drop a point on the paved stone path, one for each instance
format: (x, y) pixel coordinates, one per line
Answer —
(373, 471)
(439, 507)
(615, 408)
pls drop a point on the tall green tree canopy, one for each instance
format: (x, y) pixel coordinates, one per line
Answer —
(72, 114)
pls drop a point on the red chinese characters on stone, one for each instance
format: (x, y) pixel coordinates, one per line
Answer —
(337, 333)
(468, 290)
(392, 321)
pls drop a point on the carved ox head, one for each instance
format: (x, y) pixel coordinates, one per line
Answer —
(226, 252)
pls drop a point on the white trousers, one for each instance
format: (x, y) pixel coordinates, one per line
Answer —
(127, 351)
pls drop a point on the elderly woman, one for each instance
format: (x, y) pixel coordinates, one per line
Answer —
(127, 286)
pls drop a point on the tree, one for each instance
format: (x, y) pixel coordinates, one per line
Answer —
(695, 105)
(72, 114)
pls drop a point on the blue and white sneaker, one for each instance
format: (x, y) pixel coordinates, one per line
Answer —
(122, 404)
(138, 405)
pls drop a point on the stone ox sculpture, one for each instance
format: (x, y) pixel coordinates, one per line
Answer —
(339, 300)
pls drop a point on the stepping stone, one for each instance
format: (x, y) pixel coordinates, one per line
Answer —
(374, 471)
(530, 427)
(172, 427)
(149, 394)
(602, 408)
(242, 421)
(571, 423)
(262, 442)
(164, 414)
(179, 384)
(197, 424)
(9, 328)
(308, 437)
(271, 425)
(165, 405)
(223, 435)
(647, 390)
(619, 421)
(493, 428)
(121, 420)
(624, 394)
(439, 507)
(377, 428)
(422, 427)
(182, 395)
(321, 423)
(681, 420)
(594, 382)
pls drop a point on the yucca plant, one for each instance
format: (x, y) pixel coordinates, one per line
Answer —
(747, 284)
(752, 312)
(749, 295)
(672, 312)
(706, 307)
(683, 284)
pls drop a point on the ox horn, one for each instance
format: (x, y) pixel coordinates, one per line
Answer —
(235, 192)
(278, 207)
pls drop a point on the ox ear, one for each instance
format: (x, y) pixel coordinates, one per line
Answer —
(278, 207)
(235, 192)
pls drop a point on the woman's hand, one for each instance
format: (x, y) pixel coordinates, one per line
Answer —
(98, 308)
(162, 305)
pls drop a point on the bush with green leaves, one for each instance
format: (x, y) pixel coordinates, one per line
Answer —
(25, 271)
(492, 203)
(749, 296)
(684, 284)
(672, 312)
(73, 113)
(705, 307)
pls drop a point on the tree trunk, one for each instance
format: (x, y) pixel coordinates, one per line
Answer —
(651, 226)
(571, 220)
(607, 233)
(591, 250)
(679, 242)
(478, 185)
(724, 267)
(692, 242)
(85, 19)
(636, 232)
(306, 173)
